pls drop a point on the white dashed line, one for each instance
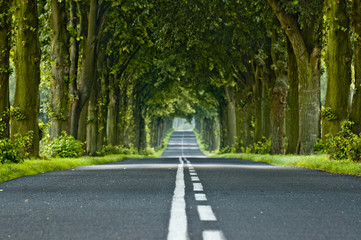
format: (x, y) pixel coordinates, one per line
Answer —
(177, 229)
(197, 187)
(213, 235)
(206, 213)
(200, 197)
(195, 179)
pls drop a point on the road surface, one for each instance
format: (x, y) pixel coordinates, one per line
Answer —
(182, 195)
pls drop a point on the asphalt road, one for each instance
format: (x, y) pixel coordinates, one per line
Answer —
(182, 196)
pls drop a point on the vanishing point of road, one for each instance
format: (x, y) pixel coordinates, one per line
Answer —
(182, 195)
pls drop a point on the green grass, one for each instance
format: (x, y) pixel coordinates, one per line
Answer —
(10, 171)
(201, 145)
(319, 162)
(160, 152)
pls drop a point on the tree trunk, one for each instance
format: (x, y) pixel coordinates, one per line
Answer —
(139, 127)
(5, 32)
(231, 112)
(88, 69)
(74, 58)
(267, 85)
(27, 67)
(292, 109)
(355, 115)
(308, 55)
(92, 122)
(258, 132)
(223, 122)
(338, 67)
(83, 123)
(103, 99)
(113, 112)
(59, 98)
(278, 115)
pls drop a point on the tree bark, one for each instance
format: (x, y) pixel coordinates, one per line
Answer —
(355, 115)
(338, 64)
(308, 55)
(257, 89)
(59, 98)
(74, 57)
(292, 109)
(88, 69)
(266, 99)
(27, 68)
(92, 122)
(5, 32)
(279, 94)
(113, 112)
(223, 122)
(231, 112)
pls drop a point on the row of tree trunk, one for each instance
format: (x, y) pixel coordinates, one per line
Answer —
(285, 103)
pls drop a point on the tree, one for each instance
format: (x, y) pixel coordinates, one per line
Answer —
(59, 100)
(355, 114)
(338, 62)
(5, 33)
(24, 120)
(96, 17)
(302, 24)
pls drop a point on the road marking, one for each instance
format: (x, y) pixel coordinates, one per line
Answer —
(213, 235)
(205, 213)
(177, 229)
(197, 187)
(195, 179)
(200, 197)
(193, 174)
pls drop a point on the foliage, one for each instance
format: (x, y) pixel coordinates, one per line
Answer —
(345, 145)
(260, 147)
(4, 116)
(17, 113)
(226, 149)
(109, 150)
(147, 151)
(328, 113)
(16, 150)
(64, 146)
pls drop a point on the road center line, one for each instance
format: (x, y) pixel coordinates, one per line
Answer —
(213, 235)
(206, 213)
(195, 179)
(197, 187)
(200, 197)
(177, 229)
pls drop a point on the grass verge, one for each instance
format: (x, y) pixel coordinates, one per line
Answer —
(201, 145)
(160, 152)
(319, 162)
(10, 171)
(29, 167)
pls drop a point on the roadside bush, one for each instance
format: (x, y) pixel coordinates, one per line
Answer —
(345, 145)
(147, 152)
(109, 150)
(226, 149)
(64, 146)
(260, 147)
(16, 150)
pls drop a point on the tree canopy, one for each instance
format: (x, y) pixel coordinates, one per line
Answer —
(117, 72)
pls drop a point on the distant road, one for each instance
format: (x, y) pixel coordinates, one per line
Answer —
(182, 195)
